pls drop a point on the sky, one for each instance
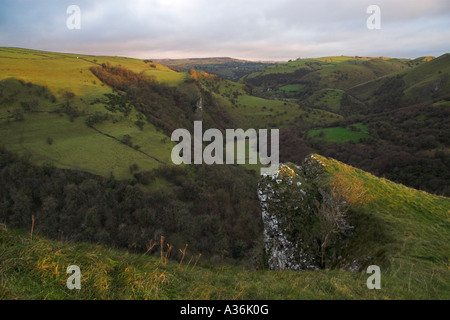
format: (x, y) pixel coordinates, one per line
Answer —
(247, 29)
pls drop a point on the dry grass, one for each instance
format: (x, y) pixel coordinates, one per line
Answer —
(350, 187)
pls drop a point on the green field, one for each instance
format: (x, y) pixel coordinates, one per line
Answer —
(329, 99)
(361, 127)
(291, 88)
(337, 134)
(75, 146)
(254, 112)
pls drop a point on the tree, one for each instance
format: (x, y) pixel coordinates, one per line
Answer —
(343, 194)
(126, 139)
(332, 214)
(194, 74)
(18, 114)
(68, 96)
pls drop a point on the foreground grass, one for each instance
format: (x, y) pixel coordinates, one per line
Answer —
(36, 269)
(410, 228)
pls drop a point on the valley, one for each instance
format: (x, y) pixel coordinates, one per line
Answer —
(86, 163)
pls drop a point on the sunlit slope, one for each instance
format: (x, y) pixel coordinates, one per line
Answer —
(328, 72)
(63, 71)
(46, 99)
(416, 222)
(427, 81)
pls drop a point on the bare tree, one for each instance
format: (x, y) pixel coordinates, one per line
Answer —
(332, 214)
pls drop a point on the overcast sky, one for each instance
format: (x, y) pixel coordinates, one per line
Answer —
(247, 29)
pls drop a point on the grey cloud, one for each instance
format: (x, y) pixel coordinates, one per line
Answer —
(256, 29)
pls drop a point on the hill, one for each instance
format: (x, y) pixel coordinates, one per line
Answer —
(227, 68)
(303, 76)
(408, 228)
(60, 108)
(424, 83)
(391, 114)
(65, 71)
(85, 161)
(47, 97)
(251, 111)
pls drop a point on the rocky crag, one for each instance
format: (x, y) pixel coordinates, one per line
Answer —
(290, 200)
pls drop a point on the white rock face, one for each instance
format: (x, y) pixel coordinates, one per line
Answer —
(279, 248)
(284, 197)
(289, 200)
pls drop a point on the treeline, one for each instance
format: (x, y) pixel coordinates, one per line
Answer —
(164, 106)
(293, 148)
(428, 173)
(232, 70)
(213, 209)
(408, 146)
(167, 107)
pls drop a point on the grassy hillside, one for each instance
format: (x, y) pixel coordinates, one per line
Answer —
(426, 82)
(249, 111)
(71, 145)
(406, 137)
(46, 98)
(415, 264)
(328, 99)
(329, 72)
(34, 123)
(64, 71)
(418, 221)
(324, 83)
(108, 120)
(349, 73)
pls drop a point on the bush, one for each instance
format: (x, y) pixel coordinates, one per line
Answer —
(18, 114)
(126, 139)
(97, 117)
